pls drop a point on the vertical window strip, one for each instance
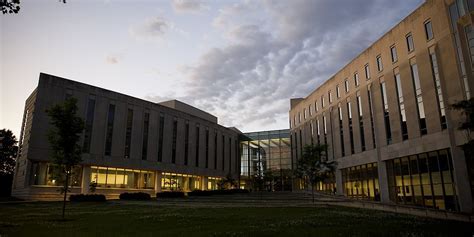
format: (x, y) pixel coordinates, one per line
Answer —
(146, 123)
(128, 133)
(439, 91)
(386, 115)
(401, 106)
(89, 124)
(361, 123)
(160, 137)
(419, 99)
(351, 131)
(109, 130)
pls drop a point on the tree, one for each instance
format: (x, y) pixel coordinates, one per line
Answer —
(10, 6)
(227, 183)
(467, 109)
(314, 165)
(63, 137)
(8, 151)
(13, 6)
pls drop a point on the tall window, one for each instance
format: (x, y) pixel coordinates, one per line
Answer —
(367, 71)
(393, 53)
(386, 116)
(410, 44)
(356, 79)
(439, 92)
(419, 99)
(351, 130)
(322, 102)
(325, 130)
(305, 114)
(223, 151)
(128, 133)
(109, 130)
(379, 63)
(146, 122)
(230, 154)
(361, 122)
(175, 137)
(341, 131)
(330, 96)
(338, 93)
(401, 104)
(160, 137)
(311, 128)
(316, 106)
(186, 143)
(88, 126)
(207, 147)
(371, 113)
(197, 146)
(454, 13)
(310, 108)
(428, 30)
(346, 85)
(318, 131)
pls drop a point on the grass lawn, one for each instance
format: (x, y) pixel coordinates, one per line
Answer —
(115, 218)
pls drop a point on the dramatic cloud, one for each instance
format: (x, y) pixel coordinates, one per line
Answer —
(282, 49)
(187, 5)
(152, 28)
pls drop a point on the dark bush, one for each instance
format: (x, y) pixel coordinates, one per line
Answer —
(135, 196)
(217, 192)
(87, 198)
(172, 194)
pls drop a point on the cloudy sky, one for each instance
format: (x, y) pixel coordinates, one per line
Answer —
(239, 60)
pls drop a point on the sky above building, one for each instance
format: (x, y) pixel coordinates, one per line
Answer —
(241, 61)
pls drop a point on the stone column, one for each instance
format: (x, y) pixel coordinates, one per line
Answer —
(339, 183)
(461, 179)
(158, 176)
(383, 182)
(86, 179)
(203, 183)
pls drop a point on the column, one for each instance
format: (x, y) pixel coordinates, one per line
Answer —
(158, 176)
(383, 182)
(339, 183)
(203, 183)
(86, 179)
(461, 179)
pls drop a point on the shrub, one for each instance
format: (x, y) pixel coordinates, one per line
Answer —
(172, 194)
(217, 192)
(87, 198)
(135, 196)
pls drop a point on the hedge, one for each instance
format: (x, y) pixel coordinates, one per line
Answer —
(87, 198)
(135, 196)
(172, 194)
(217, 192)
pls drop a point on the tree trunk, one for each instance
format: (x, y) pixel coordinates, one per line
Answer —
(312, 190)
(66, 185)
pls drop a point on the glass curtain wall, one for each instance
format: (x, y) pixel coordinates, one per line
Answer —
(180, 182)
(424, 179)
(266, 154)
(361, 182)
(110, 177)
(48, 174)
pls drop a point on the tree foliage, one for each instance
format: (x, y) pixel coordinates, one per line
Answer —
(467, 109)
(314, 166)
(10, 6)
(227, 183)
(13, 6)
(8, 151)
(63, 137)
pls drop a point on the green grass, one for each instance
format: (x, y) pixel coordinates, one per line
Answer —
(143, 219)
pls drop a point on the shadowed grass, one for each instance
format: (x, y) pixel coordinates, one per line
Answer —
(143, 219)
